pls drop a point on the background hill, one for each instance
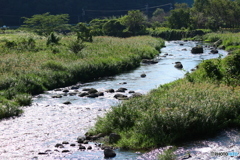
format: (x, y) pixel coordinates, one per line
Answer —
(79, 10)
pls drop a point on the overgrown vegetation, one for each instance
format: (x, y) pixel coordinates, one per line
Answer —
(168, 154)
(199, 105)
(173, 113)
(31, 64)
(176, 34)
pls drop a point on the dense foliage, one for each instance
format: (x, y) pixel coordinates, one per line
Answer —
(44, 24)
(207, 14)
(78, 10)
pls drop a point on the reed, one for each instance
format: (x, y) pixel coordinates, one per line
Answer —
(173, 113)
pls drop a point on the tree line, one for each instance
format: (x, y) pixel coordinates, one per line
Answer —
(210, 14)
(78, 10)
(204, 14)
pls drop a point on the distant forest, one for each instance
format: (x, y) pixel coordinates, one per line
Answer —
(11, 12)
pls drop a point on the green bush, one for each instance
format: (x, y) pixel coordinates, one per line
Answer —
(23, 99)
(176, 34)
(113, 28)
(53, 39)
(84, 33)
(76, 46)
(9, 108)
(171, 114)
(29, 44)
(10, 44)
(168, 154)
(29, 83)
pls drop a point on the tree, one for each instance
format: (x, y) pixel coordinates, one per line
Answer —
(135, 21)
(84, 32)
(113, 28)
(200, 5)
(44, 24)
(179, 18)
(158, 15)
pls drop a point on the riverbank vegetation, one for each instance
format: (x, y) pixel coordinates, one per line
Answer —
(197, 106)
(29, 65)
(201, 104)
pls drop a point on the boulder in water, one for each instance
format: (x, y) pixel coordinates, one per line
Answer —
(108, 153)
(197, 50)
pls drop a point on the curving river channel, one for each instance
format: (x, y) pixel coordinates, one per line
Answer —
(49, 121)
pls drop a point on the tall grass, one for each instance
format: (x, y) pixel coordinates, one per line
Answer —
(196, 106)
(38, 67)
(221, 71)
(173, 113)
(230, 40)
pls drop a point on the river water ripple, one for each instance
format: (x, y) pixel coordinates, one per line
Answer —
(48, 121)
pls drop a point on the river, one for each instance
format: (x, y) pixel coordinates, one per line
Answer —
(48, 121)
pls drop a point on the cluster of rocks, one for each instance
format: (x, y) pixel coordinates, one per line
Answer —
(93, 93)
(199, 50)
(149, 61)
(83, 144)
(178, 65)
(108, 150)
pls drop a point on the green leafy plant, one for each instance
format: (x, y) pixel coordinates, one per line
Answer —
(10, 44)
(84, 33)
(168, 154)
(53, 39)
(76, 46)
(44, 24)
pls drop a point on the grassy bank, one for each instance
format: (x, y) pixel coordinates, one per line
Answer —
(203, 103)
(231, 41)
(173, 113)
(176, 34)
(28, 66)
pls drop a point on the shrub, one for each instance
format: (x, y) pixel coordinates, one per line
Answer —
(29, 83)
(173, 113)
(168, 154)
(53, 39)
(113, 28)
(84, 33)
(8, 108)
(76, 46)
(10, 44)
(23, 99)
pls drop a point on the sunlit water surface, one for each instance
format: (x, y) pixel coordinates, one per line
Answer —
(48, 121)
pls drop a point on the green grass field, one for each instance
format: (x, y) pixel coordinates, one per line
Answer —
(28, 66)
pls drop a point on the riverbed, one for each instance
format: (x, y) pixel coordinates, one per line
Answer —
(49, 121)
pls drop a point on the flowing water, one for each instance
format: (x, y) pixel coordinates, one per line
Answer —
(48, 121)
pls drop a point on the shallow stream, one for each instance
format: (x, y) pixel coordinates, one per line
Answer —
(48, 121)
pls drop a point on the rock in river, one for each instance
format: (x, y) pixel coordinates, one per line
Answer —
(108, 153)
(197, 49)
(178, 65)
(143, 75)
